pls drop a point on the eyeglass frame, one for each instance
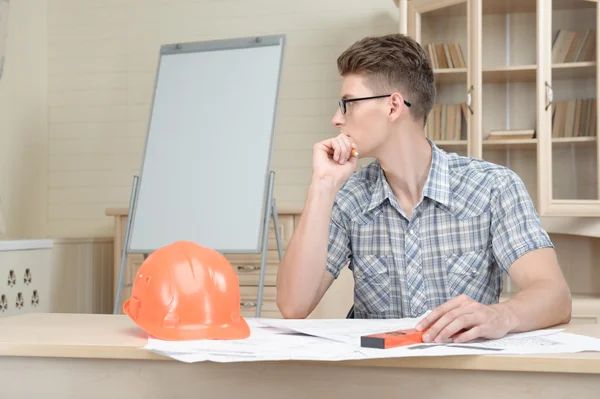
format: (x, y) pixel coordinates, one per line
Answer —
(343, 101)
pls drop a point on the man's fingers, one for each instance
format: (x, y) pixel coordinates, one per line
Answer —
(337, 149)
(347, 141)
(468, 335)
(462, 322)
(344, 144)
(443, 322)
(438, 312)
(329, 146)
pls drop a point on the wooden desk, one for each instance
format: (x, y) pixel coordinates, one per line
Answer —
(99, 356)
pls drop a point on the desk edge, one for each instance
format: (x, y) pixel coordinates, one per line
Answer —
(509, 363)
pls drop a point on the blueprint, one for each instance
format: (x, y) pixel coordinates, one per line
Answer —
(336, 340)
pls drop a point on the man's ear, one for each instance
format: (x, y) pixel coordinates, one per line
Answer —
(396, 106)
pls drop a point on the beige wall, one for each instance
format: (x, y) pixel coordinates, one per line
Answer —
(23, 125)
(101, 66)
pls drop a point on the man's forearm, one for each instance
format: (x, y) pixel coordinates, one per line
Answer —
(303, 266)
(544, 304)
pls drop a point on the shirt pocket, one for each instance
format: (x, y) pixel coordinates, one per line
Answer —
(372, 283)
(467, 272)
(449, 233)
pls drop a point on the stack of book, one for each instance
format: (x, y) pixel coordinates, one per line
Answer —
(447, 122)
(574, 46)
(574, 118)
(443, 55)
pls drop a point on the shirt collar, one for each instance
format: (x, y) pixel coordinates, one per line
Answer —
(437, 186)
(381, 190)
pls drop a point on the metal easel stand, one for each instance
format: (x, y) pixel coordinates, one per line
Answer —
(271, 212)
(132, 199)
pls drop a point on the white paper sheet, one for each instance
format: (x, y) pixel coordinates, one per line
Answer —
(264, 343)
(342, 330)
(268, 343)
(531, 343)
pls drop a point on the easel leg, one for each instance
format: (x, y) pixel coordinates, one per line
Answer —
(116, 305)
(270, 212)
(277, 232)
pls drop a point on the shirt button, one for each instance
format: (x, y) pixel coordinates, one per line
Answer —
(410, 232)
(473, 271)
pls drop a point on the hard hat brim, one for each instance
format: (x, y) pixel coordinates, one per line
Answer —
(238, 329)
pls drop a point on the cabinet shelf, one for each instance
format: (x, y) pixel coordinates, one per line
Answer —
(507, 7)
(530, 6)
(573, 140)
(450, 75)
(452, 145)
(519, 73)
(574, 70)
(530, 144)
(526, 144)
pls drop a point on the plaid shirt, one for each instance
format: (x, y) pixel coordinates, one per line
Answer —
(475, 219)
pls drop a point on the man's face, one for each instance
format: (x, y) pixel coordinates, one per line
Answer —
(366, 121)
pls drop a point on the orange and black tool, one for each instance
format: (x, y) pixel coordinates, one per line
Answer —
(392, 339)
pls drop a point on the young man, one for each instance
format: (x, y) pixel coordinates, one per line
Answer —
(420, 228)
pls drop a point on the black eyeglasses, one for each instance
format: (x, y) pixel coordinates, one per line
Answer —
(343, 101)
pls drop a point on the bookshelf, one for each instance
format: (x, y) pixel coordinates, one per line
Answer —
(526, 68)
(529, 82)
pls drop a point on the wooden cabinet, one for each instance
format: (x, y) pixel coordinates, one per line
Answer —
(523, 74)
(567, 107)
(335, 303)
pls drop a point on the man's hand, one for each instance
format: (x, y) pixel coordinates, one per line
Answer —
(333, 159)
(462, 319)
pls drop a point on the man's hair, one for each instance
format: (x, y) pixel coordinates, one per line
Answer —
(393, 62)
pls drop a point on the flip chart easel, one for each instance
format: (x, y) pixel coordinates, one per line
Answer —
(206, 171)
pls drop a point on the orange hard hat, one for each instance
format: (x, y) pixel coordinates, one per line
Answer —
(184, 291)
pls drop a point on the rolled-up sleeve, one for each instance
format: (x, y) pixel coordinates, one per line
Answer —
(338, 248)
(516, 226)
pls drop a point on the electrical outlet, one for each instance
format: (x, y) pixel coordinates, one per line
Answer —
(27, 278)
(19, 302)
(12, 278)
(35, 299)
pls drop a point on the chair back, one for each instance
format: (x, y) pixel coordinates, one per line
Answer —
(350, 314)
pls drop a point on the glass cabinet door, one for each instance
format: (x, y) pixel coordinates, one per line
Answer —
(442, 28)
(509, 87)
(568, 149)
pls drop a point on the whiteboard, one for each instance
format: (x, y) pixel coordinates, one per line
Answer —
(207, 158)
